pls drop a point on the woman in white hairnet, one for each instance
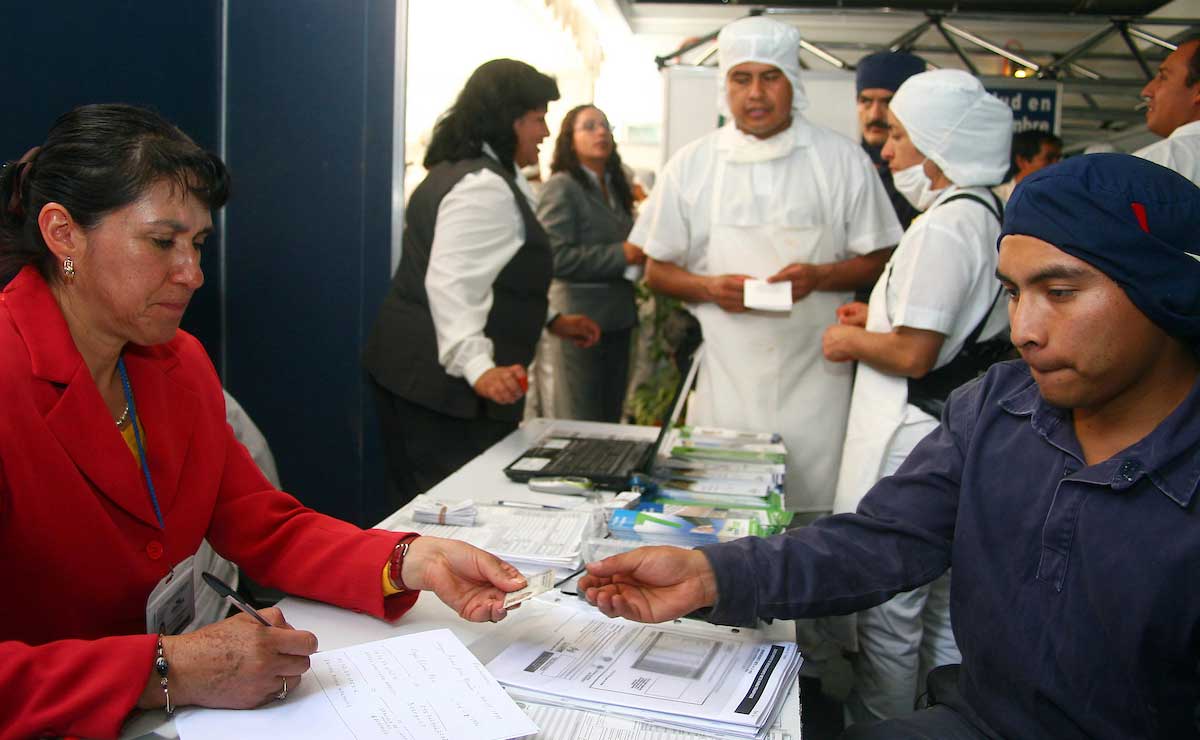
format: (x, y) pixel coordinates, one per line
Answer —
(935, 320)
(770, 196)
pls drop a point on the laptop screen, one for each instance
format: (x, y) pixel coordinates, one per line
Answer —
(681, 393)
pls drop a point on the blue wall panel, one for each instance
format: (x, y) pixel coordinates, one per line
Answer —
(308, 232)
(59, 54)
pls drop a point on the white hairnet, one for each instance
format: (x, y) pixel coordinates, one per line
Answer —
(959, 125)
(762, 40)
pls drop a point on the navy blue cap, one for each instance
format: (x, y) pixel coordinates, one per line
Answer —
(1135, 221)
(886, 70)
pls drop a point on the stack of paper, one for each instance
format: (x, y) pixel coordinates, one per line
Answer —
(570, 723)
(532, 539)
(664, 522)
(457, 513)
(725, 449)
(725, 468)
(423, 686)
(681, 676)
(685, 529)
(721, 434)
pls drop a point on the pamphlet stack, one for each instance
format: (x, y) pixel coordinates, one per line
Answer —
(712, 485)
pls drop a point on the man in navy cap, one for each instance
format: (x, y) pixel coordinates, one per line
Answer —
(1062, 486)
(876, 79)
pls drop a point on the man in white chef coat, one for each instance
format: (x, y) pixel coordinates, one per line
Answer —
(772, 197)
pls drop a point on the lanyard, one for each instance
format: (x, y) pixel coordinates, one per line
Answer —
(137, 436)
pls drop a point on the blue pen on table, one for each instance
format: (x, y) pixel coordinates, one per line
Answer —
(224, 590)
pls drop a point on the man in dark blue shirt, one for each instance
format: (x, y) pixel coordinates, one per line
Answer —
(1062, 487)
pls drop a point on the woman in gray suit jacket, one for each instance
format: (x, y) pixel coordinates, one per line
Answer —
(586, 208)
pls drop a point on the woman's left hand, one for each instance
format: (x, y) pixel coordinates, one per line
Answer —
(469, 580)
(838, 342)
(576, 327)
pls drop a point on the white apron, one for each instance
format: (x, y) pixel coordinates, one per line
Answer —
(765, 371)
(876, 414)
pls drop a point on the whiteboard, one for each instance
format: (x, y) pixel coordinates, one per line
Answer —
(690, 103)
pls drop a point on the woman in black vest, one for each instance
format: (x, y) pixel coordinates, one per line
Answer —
(469, 300)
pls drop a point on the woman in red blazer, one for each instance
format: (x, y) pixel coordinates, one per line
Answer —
(116, 461)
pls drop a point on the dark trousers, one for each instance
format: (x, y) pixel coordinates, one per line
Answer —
(422, 446)
(936, 723)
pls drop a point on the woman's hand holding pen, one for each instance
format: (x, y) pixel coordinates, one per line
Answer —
(235, 663)
(470, 581)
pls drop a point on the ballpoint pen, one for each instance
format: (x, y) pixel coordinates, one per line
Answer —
(223, 589)
(530, 505)
(561, 581)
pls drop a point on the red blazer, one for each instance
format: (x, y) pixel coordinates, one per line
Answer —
(80, 547)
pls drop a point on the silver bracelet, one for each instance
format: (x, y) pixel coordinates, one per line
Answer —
(160, 666)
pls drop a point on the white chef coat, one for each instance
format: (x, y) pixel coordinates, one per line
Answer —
(943, 274)
(940, 278)
(810, 195)
(1180, 151)
(479, 229)
(678, 213)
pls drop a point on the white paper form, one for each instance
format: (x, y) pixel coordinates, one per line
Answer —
(515, 533)
(764, 296)
(423, 686)
(672, 673)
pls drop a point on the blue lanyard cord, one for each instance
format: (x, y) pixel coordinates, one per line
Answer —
(137, 436)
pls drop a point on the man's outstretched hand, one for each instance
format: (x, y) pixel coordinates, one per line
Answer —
(651, 584)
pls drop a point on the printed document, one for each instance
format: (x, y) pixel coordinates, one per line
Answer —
(549, 538)
(566, 723)
(424, 686)
(682, 675)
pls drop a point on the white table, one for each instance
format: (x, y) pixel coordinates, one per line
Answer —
(482, 479)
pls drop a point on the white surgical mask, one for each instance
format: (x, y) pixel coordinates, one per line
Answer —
(915, 186)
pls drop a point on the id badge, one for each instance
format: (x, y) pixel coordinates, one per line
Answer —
(171, 606)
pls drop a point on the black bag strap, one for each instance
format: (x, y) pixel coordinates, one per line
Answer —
(996, 208)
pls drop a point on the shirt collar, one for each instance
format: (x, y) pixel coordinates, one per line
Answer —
(1166, 455)
(731, 136)
(518, 177)
(1187, 129)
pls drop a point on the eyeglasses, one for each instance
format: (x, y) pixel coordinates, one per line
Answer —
(592, 125)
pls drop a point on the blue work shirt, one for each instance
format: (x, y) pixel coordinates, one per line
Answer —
(1075, 594)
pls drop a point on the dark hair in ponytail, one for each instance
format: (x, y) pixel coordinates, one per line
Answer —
(96, 159)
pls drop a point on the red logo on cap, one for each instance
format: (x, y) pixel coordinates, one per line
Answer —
(1139, 211)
